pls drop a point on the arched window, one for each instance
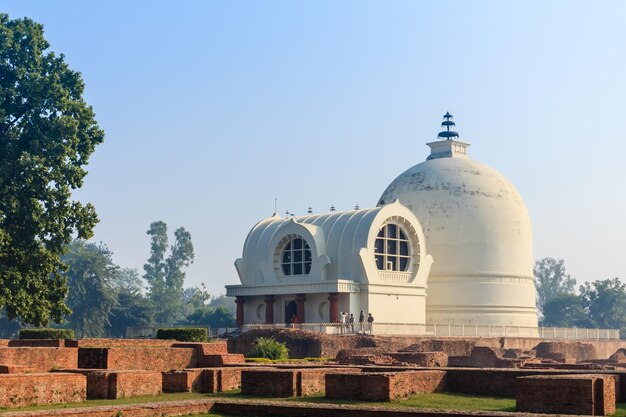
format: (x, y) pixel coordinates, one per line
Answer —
(392, 249)
(296, 257)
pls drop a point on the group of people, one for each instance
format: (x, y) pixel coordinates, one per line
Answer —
(366, 324)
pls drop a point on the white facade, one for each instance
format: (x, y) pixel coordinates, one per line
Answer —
(472, 220)
(479, 233)
(343, 274)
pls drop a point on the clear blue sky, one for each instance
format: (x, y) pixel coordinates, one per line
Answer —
(212, 109)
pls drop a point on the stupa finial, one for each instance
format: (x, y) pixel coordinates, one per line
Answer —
(447, 124)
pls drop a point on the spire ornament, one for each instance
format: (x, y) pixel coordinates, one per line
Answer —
(447, 124)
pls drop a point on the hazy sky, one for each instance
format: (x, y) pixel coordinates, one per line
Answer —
(212, 109)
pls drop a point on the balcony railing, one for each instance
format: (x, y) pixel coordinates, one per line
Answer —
(449, 330)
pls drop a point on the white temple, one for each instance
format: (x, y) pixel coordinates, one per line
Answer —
(450, 243)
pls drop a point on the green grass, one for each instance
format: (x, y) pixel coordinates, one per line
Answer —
(179, 396)
(440, 401)
(449, 401)
(621, 410)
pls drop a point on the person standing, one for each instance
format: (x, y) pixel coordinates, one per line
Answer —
(342, 322)
(370, 323)
(362, 321)
(351, 322)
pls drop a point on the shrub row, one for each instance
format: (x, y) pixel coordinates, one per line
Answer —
(46, 334)
(190, 334)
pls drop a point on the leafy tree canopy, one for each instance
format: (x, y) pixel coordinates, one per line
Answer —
(92, 277)
(565, 310)
(133, 309)
(166, 276)
(47, 133)
(208, 316)
(551, 280)
(605, 303)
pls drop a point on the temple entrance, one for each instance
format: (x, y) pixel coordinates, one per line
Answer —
(291, 310)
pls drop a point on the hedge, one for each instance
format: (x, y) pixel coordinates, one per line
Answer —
(46, 334)
(184, 334)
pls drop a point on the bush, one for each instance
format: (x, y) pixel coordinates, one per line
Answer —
(266, 347)
(184, 334)
(46, 334)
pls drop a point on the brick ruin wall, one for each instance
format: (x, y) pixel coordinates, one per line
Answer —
(205, 380)
(567, 394)
(152, 359)
(41, 388)
(283, 383)
(375, 386)
(40, 359)
(503, 382)
(303, 344)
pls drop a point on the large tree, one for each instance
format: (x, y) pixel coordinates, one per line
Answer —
(47, 133)
(132, 308)
(565, 310)
(166, 276)
(605, 303)
(92, 277)
(551, 280)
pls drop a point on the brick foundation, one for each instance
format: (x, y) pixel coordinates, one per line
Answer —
(282, 383)
(424, 359)
(387, 386)
(152, 359)
(18, 390)
(206, 361)
(212, 348)
(187, 380)
(41, 343)
(16, 369)
(206, 380)
(567, 394)
(40, 359)
(103, 384)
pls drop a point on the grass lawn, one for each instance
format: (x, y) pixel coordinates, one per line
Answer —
(179, 396)
(438, 401)
(449, 401)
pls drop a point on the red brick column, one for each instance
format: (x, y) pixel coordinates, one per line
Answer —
(300, 299)
(239, 318)
(333, 297)
(269, 309)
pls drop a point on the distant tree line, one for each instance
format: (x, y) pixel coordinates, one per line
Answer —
(598, 304)
(105, 298)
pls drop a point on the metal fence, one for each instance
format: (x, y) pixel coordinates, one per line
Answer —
(448, 330)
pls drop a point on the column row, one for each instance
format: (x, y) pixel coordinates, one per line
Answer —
(297, 317)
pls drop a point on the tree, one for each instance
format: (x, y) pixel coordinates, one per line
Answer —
(195, 298)
(223, 301)
(47, 133)
(208, 316)
(92, 277)
(132, 308)
(551, 280)
(565, 310)
(605, 303)
(166, 276)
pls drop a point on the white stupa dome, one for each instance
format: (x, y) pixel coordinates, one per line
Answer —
(479, 233)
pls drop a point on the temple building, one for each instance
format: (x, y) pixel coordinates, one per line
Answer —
(449, 243)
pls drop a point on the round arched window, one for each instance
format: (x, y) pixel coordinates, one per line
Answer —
(392, 249)
(296, 257)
